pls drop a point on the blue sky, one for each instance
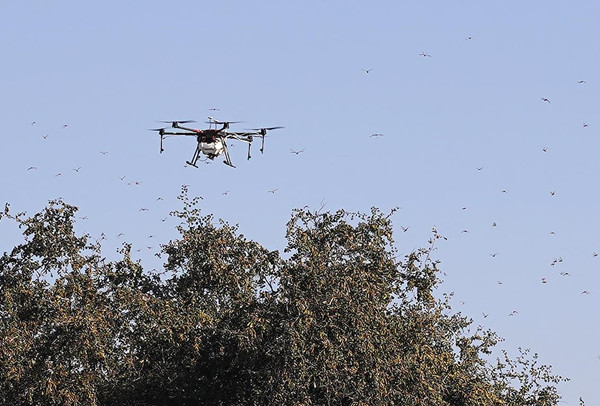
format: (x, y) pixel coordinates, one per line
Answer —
(467, 139)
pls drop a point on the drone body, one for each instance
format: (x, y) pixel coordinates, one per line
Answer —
(212, 149)
(212, 142)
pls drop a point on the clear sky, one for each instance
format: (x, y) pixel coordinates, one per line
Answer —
(455, 88)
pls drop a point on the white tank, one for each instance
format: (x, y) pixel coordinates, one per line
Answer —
(212, 149)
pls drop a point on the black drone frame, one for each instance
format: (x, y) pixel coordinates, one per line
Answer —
(212, 135)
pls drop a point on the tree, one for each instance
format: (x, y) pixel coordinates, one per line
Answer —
(336, 319)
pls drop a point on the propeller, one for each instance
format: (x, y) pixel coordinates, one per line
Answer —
(263, 133)
(175, 124)
(225, 124)
(214, 121)
(161, 131)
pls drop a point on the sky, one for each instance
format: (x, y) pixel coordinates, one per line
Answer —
(487, 111)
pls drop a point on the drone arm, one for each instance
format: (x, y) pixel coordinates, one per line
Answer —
(243, 137)
(163, 134)
(189, 129)
(178, 133)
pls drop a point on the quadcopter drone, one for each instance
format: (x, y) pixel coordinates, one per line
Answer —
(212, 141)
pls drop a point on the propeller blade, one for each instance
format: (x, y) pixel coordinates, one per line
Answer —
(264, 128)
(222, 122)
(175, 124)
(164, 133)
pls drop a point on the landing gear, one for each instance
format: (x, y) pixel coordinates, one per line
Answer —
(194, 159)
(227, 160)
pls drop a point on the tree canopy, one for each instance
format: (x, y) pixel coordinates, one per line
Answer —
(337, 318)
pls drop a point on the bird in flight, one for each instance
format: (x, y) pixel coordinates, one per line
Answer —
(581, 81)
(293, 151)
(31, 168)
(273, 191)
(546, 100)
(545, 149)
(424, 54)
(367, 70)
(77, 169)
(376, 135)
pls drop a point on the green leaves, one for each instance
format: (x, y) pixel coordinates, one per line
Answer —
(338, 321)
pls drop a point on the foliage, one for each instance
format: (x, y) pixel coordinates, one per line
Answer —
(338, 319)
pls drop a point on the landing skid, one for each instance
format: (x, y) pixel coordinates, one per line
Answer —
(189, 163)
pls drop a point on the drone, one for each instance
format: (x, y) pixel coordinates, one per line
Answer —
(212, 141)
